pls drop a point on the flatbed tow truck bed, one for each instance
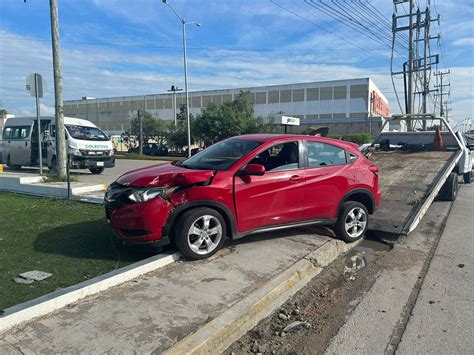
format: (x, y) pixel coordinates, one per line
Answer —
(411, 172)
(405, 179)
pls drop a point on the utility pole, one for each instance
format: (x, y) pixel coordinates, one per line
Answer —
(425, 59)
(173, 90)
(61, 149)
(140, 134)
(410, 62)
(441, 87)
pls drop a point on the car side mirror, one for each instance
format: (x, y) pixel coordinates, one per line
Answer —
(253, 169)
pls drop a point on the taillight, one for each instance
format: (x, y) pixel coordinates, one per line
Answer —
(374, 169)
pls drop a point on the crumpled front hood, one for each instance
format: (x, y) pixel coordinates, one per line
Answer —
(164, 175)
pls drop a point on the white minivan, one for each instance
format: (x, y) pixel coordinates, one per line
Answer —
(88, 147)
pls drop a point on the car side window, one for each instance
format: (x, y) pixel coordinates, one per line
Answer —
(7, 133)
(322, 154)
(280, 157)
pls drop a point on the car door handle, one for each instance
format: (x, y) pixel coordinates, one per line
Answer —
(26, 144)
(295, 178)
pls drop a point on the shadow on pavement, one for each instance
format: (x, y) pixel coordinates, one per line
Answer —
(86, 240)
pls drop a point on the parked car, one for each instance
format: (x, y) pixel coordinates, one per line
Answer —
(242, 186)
(152, 149)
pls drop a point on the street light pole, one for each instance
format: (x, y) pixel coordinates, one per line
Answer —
(184, 23)
(186, 87)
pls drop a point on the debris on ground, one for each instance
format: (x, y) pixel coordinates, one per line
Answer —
(354, 264)
(296, 325)
(31, 276)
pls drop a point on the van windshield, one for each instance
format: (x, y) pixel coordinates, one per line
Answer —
(86, 133)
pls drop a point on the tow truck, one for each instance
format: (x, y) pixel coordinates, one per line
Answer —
(414, 171)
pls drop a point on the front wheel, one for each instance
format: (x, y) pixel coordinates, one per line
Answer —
(352, 222)
(96, 171)
(467, 177)
(200, 233)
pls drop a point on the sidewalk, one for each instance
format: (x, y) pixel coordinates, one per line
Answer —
(155, 311)
(442, 319)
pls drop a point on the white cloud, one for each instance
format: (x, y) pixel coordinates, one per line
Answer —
(467, 41)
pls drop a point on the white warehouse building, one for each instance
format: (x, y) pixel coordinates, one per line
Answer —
(345, 106)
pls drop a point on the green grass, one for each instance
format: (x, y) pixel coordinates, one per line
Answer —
(68, 239)
(148, 157)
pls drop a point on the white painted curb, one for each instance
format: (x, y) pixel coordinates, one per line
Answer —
(90, 188)
(53, 301)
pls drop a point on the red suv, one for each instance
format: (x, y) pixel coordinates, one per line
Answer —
(245, 185)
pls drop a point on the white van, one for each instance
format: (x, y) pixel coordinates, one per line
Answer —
(88, 147)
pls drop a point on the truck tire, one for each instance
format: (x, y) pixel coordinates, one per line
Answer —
(352, 222)
(449, 191)
(199, 233)
(467, 177)
(96, 171)
(12, 166)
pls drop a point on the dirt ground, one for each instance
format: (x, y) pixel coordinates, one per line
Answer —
(323, 304)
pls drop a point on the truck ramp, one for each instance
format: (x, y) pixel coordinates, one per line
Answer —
(406, 179)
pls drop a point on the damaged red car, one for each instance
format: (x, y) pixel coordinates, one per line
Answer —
(242, 186)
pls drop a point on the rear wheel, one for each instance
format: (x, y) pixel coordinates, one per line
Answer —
(200, 233)
(352, 222)
(96, 171)
(467, 177)
(449, 191)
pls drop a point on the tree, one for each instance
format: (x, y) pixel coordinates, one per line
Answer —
(153, 127)
(221, 121)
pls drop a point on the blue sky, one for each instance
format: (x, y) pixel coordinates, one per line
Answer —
(133, 47)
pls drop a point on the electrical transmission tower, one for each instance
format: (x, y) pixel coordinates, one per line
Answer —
(418, 67)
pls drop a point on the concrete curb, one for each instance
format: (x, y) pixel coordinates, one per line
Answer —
(32, 185)
(89, 188)
(221, 332)
(53, 301)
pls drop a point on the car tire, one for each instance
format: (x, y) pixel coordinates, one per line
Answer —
(467, 177)
(194, 233)
(449, 191)
(12, 166)
(352, 222)
(96, 171)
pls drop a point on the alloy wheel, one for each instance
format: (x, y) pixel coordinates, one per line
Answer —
(205, 234)
(355, 223)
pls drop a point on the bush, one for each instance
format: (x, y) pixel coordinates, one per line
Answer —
(358, 138)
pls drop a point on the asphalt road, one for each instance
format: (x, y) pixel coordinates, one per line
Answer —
(442, 318)
(107, 177)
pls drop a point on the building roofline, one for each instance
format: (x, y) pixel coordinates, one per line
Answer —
(210, 90)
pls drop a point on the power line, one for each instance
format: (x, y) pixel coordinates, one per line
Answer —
(322, 28)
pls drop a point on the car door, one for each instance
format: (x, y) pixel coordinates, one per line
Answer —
(327, 177)
(277, 196)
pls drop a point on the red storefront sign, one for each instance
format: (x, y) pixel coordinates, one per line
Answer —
(378, 105)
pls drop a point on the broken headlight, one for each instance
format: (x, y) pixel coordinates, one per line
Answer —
(148, 193)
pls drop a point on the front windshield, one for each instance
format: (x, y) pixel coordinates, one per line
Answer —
(220, 156)
(86, 133)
